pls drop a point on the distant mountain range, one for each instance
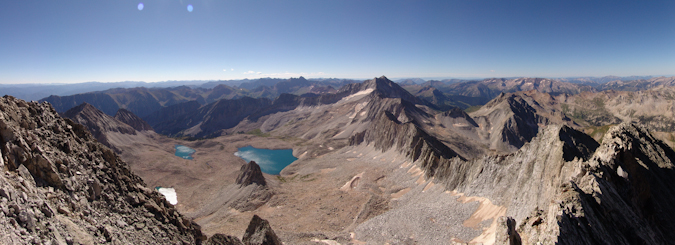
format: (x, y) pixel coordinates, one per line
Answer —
(143, 101)
(30, 92)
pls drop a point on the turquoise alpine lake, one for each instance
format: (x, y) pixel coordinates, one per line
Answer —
(270, 161)
(184, 152)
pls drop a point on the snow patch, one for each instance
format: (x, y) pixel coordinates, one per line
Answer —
(169, 194)
(364, 92)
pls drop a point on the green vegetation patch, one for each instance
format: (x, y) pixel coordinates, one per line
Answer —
(258, 132)
(598, 132)
(472, 108)
(591, 112)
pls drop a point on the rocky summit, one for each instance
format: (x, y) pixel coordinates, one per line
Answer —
(59, 186)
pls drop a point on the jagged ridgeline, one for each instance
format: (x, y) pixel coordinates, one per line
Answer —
(59, 186)
(562, 187)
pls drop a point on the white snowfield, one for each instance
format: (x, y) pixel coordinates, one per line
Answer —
(364, 92)
(170, 194)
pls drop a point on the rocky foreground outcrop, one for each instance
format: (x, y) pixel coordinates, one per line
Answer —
(59, 186)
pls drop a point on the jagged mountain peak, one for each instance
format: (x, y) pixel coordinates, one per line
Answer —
(508, 98)
(382, 87)
(83, 108)
(98, 122)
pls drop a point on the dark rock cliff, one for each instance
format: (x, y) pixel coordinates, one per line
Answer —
(59, 186)
(250, 173)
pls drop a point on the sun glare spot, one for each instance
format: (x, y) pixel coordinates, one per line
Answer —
(140, 6)
(190, 8)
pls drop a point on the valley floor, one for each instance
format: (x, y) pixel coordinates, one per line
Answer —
(354, 194)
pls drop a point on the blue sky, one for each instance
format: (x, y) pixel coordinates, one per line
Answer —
(112, 40)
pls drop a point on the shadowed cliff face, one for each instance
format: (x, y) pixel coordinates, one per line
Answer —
(132, 120)
(388, 132)
(250, 173)
(59, 185)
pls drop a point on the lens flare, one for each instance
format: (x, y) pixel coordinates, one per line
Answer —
(190, 8)
(140, 6)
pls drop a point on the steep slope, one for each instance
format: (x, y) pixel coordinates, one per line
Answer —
(388, 132)
(168, 116)
(142, 101)
(132, 120)
(509, 121)
(98, 123)
(102, 101)
(562, 187)
(222, 114)
(60, 186)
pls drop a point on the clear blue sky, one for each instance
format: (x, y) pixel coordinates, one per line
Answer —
(112, 40)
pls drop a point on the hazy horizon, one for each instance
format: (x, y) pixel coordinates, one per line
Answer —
(186, 82)
(156, 41)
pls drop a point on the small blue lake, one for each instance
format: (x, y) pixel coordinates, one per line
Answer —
(270, 161)
(184, 152)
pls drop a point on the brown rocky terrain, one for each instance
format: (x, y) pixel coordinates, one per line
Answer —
(59, 186)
